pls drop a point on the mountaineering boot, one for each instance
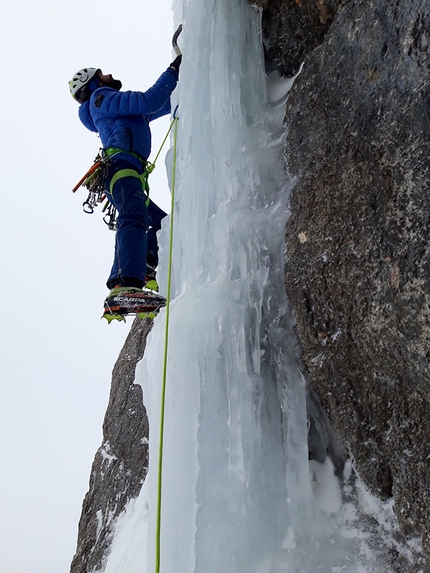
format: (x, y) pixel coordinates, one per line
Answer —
(150, 280)
(122, 301)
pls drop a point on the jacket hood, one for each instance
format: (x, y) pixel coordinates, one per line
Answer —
(85, 116)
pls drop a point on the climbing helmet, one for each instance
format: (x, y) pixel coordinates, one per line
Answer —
(78, 85)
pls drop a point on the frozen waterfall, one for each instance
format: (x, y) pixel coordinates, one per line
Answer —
(237, 492)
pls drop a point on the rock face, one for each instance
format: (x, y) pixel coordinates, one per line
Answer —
(121, 462)
(292, 29)
(358, 266)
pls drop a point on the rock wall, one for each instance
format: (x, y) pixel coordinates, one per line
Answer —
(292, 29)
(121, 463)
(357, 264)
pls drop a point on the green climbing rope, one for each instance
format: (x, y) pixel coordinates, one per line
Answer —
(166, 344)
(163, 142)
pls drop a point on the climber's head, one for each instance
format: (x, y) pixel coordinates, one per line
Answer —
(83, 83)
(87, 80)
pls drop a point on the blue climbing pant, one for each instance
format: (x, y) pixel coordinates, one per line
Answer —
(137, 223)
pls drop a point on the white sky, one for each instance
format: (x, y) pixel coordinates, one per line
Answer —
(56, 353)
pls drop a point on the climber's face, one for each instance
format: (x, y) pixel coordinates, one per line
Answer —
(108, 81)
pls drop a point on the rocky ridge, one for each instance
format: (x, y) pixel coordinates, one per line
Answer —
(121, 463)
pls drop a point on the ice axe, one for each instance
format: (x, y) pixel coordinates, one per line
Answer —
(175, 41)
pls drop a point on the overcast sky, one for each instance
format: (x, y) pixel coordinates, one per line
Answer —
(56, 353)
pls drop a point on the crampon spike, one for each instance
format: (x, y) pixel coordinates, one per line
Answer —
(113, 316)
(143, 315)
(110, 317)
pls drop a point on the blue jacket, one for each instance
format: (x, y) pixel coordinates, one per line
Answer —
(122, 118)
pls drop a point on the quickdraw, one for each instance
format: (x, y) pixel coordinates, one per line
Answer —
(110, 215)
(95, 181)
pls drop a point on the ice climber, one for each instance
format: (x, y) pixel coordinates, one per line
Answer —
(121, 118)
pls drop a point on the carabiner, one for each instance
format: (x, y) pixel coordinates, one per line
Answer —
(88, 208)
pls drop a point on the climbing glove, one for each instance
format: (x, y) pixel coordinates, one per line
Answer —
(176, 63)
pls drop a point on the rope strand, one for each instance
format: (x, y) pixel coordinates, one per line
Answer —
(166, 343)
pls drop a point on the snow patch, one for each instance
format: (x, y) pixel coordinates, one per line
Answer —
(325, 485)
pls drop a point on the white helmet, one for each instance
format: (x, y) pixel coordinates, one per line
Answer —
(79, 82)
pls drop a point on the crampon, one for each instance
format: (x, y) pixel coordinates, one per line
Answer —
(123, 302)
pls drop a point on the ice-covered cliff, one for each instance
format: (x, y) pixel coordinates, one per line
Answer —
(242, 414)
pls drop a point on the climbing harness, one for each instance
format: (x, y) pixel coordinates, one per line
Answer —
(95, 181)
(96, 177)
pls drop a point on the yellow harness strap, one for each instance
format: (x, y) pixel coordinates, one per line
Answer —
(131, 173)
